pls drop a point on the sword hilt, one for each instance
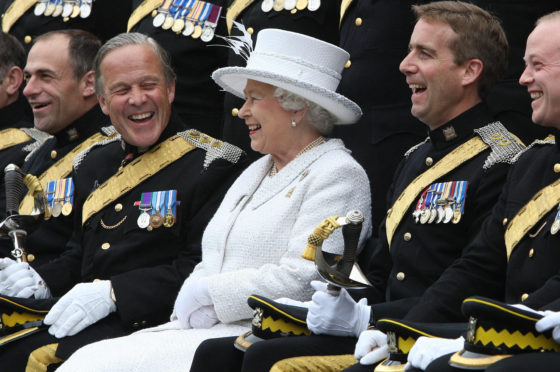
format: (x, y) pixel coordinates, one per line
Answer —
(13, 180)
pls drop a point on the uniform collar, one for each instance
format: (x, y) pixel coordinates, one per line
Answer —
(84, 127)
(458, 129)
(15, 115)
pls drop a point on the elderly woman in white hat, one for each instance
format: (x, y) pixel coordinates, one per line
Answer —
(254, 243)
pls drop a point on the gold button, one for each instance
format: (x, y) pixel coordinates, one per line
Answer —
(358, 21)
(149, 228)
(407, 237)
(389, 211)
(154, 13)
(144, 322)
(96, 280)
(234, 112)
(105, 246)
(65, 19)
(400, 276)
(348, 64)
(250, 30)
(135, 324)
(293, 11)
(557, 168)
(118, 207)
(27, 39)
(30, 257)
(524, 296)
(531, 253)
(54, 154)
(505, 221)
(429, 161)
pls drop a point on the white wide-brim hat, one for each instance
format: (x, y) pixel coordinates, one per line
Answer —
(298, 63)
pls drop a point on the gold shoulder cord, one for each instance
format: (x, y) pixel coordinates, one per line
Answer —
(234, 10)
(139, 170)
(60, 169)
(14, 12)
(461, 154)
(11, 137)
(343, 8)
(531, 213)
(141, 11)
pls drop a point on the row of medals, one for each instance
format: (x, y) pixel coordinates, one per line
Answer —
(145, 221)
(556, 224)
(279, 5)
(71, 8)
(189, 28)
(441, 212)
(57, 209)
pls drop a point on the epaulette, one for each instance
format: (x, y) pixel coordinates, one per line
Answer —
(550, 140)
(112, 136)
(504, 145)
(415, 147)
(39, 139)
(215, 149)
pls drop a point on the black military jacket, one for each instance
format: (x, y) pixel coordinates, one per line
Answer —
(420, 253)
(146, 267)
(322, 24)
(198, 100)
(531, 276)
(15, 115)
(107, 19)
(50, 237)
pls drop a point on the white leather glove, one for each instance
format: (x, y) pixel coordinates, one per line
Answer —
(289, 301)
(336, 315)
(192, 296)
(205, 317)
(18, 279)
(550, 321)
(527, 308)
(82, 306)
(427, 349)
(371, 347)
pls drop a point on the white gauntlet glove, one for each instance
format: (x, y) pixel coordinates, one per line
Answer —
(192, 296)
(427, 349)
(82, 306)
(550, 321)
(18, 279)
(371, 347)
(336, 315)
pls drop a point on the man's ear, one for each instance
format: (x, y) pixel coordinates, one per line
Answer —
(14, 79)
(473, 70)
(88, 84)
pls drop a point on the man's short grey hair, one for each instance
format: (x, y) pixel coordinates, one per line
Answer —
(318, 117)
(132, 38)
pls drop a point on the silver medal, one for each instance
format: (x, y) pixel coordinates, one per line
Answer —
(266, 5)
(207, 34)
(290, 4)
(143, 220)
(314, 5)
(440, 214)
(67, 10)
(85, 10)
(40, 9)
(189, 29)
(158, 20)
(448, 214)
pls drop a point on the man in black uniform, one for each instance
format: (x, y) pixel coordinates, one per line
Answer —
(60, 89)
(143, 200)
(15, 133)
(515, 257)
(195, 53)
(26, 20)
(319, 19)
(442, 190)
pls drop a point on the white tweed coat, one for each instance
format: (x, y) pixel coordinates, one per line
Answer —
(252, 245)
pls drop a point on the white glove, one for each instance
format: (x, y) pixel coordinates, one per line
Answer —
(18, 279)
(527, 308)
(427, 349)
(336, 315)
(371, 347)
(205, 317)
(289, 301)
(550, 321)
(82, 306)
(192, 296)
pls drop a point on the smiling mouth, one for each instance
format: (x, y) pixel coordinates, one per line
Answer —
(253, 127)
(140, 118)
(38, 106)
(417, 88)
(536, 95)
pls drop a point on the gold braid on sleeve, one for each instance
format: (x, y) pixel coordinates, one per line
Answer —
(321, 232)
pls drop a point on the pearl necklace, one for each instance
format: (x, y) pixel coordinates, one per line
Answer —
(316, 142)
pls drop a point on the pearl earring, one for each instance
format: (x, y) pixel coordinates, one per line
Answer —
(293, 123)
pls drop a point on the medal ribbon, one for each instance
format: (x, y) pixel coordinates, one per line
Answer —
(205, 13)
(157, 201)
(186, 9)
(170, 197)
(69, 192)
(51, 190)
(195, 14)
(214, 15)
(61, 188)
